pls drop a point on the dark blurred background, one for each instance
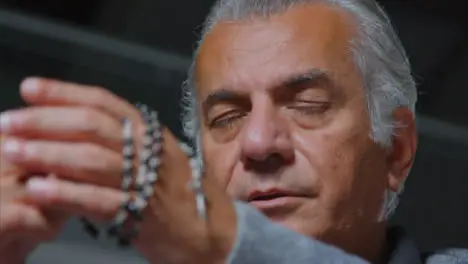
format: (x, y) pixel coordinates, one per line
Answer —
(141, 49)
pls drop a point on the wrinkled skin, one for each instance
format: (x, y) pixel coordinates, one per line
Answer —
(266, 125)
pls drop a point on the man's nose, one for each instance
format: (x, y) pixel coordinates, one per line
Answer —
(266, 134)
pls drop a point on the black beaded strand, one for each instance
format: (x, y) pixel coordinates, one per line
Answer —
(196, 183)
(128, 153)
(149, 161)
(147, 175)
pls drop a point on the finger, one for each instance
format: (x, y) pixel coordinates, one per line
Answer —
(175, 169)
(93, 202)
(41, 91)
(11, 189)
(19, 220)
(63, 123)
(82, 162)
(8, 169)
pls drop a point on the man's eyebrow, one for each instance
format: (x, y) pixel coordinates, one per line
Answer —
(305, 77)
(226, 94)
(221, 95)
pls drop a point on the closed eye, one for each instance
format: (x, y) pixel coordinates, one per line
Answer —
(225, 119)
(309, 107)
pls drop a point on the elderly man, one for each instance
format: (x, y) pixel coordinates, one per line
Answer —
(303, 111)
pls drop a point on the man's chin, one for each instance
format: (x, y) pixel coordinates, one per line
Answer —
(291, 212)
(296, 216)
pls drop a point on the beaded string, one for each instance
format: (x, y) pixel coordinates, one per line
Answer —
(149, 159)
(128, 154)
(196, 182)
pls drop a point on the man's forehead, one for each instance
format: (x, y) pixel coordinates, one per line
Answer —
(260, 50)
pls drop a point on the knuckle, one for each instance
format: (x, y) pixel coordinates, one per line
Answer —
(28, 119)
(43, 153)
(93, 190)
(88, 117)
(93, 157)
(104, 211)
(9, 171)
(12, 217)
(57, 196)
(94, 123)
(85, 154)
(45, 87)
(96, 126)
(8, 189)
(100, 95)
(49, 88)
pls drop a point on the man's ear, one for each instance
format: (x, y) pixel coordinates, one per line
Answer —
(402, 153)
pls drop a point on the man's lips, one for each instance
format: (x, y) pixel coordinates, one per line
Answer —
(274, 198)
(269, 194)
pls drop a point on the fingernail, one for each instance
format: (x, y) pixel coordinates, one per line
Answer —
(11, 146)
(5, 122)
(40, 187)
(30, 85)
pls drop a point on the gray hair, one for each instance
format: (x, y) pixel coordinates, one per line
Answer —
(377, 52)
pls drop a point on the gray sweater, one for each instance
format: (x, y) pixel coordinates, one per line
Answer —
(262, 241)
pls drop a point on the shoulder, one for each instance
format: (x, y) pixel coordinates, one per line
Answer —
(404, 248)
(447, 256)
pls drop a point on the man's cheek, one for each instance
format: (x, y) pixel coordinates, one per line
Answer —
(336, 182)
(220, 167)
